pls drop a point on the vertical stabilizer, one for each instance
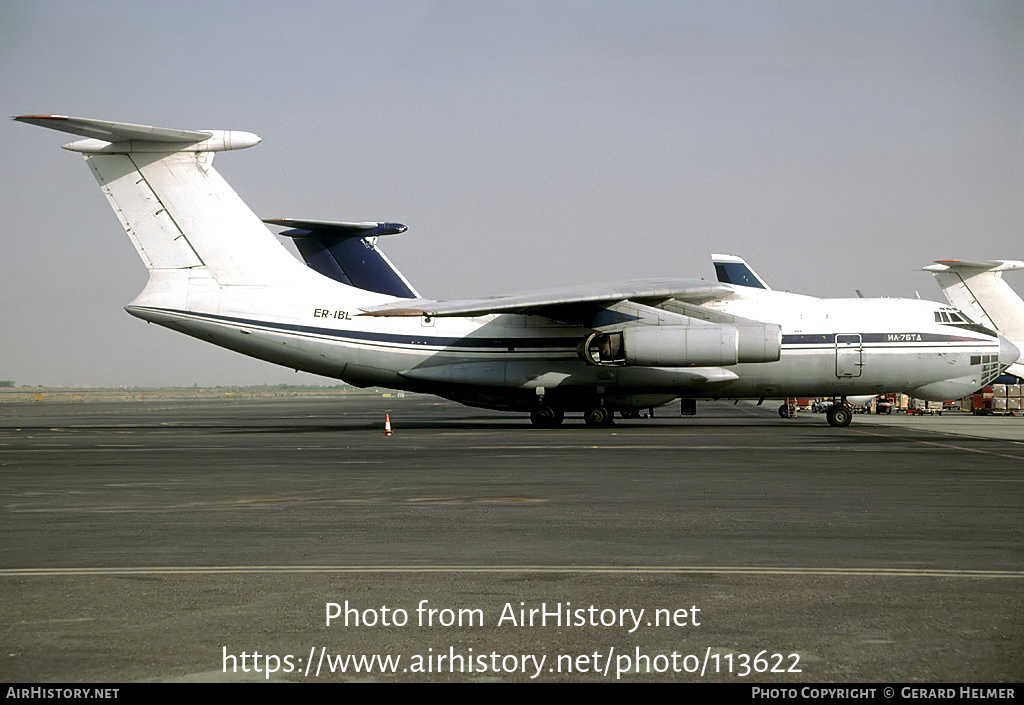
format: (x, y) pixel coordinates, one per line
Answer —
(177, 210)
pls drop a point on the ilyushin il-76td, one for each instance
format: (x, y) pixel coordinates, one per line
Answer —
(217, 273)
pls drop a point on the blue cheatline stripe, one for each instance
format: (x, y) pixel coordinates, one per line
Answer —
(559, 343)
(564, 343)
(830, 338)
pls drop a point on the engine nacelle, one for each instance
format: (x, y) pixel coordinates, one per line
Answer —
(678, 346)
(683, 346)
(760, 342)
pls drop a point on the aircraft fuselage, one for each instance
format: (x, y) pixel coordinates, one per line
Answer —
(830, 347)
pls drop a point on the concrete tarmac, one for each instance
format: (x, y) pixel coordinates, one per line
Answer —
(162, 540)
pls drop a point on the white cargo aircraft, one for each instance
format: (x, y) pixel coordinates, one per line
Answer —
(978, 289)
(217, 273)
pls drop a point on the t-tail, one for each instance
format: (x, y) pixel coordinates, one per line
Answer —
(978, 289)
(216, 272)
(204, 248)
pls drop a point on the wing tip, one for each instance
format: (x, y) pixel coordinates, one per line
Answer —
(40, 118)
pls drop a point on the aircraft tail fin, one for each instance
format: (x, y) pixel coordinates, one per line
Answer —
(348, 253)
(731, 269)
(177, 210)
(978, 289)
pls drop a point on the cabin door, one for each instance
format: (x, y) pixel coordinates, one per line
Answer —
(849, 355)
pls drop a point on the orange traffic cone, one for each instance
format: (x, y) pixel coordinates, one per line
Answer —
(387, 424)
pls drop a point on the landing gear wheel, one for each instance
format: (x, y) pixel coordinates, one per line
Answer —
(598, 417)
(546, 417)
(839, 416)
(784, 411)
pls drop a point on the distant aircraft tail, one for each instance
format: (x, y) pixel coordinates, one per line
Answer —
(731, 269)
(978, 289)
(348, 253)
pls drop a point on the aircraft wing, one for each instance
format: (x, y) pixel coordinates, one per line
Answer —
(554, 302)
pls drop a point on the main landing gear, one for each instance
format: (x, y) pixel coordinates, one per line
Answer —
(598, 417)
(839, 414)
(546, 417)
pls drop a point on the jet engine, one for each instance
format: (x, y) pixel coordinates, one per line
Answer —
(683, 345)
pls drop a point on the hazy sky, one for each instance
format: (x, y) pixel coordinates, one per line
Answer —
(834, 145)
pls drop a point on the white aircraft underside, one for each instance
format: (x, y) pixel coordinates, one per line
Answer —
(217, 273)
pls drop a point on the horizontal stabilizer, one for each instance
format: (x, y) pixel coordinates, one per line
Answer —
(957, 265)
(105, 137)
